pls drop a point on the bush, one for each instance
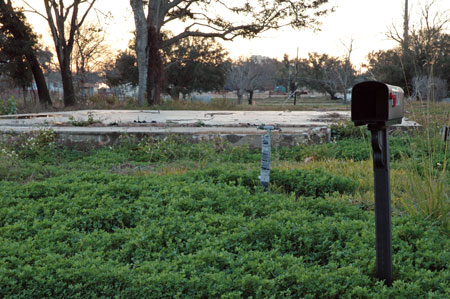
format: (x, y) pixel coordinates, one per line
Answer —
(174, 148)
(9, 106)
(71, 225)
(36, 144)
(354, 149)
(315, 183)
(346, 129)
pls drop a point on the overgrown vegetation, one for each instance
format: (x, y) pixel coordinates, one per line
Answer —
(159, 218)
(8, 107)
(428, 185)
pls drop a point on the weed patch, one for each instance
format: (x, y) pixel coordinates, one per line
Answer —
(166, 218)
(102, 234)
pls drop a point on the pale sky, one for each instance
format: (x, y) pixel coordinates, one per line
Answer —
(364, 21)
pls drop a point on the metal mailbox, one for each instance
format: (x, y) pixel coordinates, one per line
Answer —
(377, 103)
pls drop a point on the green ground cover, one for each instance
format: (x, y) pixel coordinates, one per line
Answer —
(163, 219)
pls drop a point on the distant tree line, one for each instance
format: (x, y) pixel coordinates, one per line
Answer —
(158, 61)
(66, 19)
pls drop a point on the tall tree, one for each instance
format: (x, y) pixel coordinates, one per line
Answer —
(123, 70)
(210, 18)
(13, 64)
(327, 73)
(424, 47)
(195, 64)
(20, 41)
(64, 19)
(140, 21)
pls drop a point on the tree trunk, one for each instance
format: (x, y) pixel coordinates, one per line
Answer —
(240, 93)
(250, 97)
(155, 68)
(67, 82)
(43, 93)
(141, 47)
(157, 10)
(19, 30)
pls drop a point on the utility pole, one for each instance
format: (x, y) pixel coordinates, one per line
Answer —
(296, 79)
(405, 29)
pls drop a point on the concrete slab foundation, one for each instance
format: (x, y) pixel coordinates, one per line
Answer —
(104, 127)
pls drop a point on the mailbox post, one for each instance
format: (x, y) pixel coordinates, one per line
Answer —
(379, 105)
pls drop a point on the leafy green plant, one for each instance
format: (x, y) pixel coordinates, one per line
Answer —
(8, 107)
(71, 225)
(36, 144)
(84, 123)
(346, 129)
(316, 183)
(99, 234)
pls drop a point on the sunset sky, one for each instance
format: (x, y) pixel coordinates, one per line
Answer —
(364, 21)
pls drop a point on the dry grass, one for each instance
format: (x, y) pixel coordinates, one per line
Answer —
(260, 104)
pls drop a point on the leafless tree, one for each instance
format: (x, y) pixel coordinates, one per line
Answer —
(423, 39)
(425, 45)
(345, 73)
(90, 51)
(247, 75)
(58, 14)
(429, 88)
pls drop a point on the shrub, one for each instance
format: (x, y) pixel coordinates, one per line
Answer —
(36, 144)
(97, 234)
(81, 229)
(346, 129)
(315, 183)
(9, 106)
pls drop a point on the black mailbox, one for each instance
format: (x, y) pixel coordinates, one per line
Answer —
(377, 103)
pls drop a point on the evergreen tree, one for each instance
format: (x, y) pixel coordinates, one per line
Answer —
(18, 48)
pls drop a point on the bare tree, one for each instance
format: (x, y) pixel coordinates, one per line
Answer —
(423, 37)
(345, 73)
(405, 28)
(429, 88)
(90, 51)
(247, 75)
(58, 14)
(425, 45)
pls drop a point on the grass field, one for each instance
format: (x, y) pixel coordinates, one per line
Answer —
(273, 103)
(162, 219)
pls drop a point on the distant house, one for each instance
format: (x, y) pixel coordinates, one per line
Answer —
(54, 85)
(88, 89)
(127, 90)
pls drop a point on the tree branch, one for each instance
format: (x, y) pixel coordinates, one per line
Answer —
(33, 10)
(234, 32)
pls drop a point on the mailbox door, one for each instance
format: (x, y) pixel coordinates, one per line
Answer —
(396, 102)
